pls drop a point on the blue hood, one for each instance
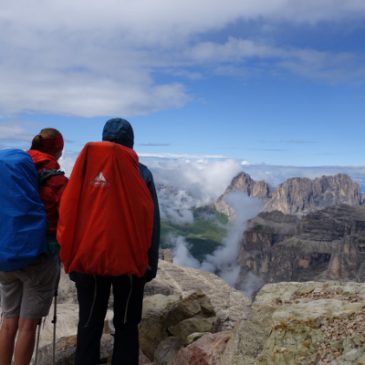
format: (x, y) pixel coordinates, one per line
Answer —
(120, 131)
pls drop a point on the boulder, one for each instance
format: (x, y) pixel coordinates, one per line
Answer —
(172, 316)
(229, 304)
(184, 329)
(153, 327)
(167, 350)
(207, 350)
(302, 323)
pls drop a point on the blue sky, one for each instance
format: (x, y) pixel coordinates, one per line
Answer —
(277, 82)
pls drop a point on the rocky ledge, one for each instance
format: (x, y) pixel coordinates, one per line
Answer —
(183, 308)
(194, 318)
(302, 324)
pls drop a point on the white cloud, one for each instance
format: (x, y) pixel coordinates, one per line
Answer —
(327, 66)
(92, 58)
(233, 50)
(175, 204)
(184, 156)
(203, 179)
(15, 135)
(199, 180)
(13, 131)
(67, 161)
(187, 183)
(275, 175)
(182, 255)
(139, 16)
(224, 259)
(72, 93)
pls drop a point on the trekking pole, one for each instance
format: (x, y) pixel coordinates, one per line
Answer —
(54, 321)
(37, 342)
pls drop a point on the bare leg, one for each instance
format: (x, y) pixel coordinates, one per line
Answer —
(25, 341)
(8, 331)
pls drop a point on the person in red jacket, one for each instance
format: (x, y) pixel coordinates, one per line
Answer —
(109, 233)
(27, 294)
(45, 151)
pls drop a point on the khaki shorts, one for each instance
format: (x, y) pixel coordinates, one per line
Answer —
(28, 293)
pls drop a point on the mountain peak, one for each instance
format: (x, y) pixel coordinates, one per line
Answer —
(302, 195)
(245, 184)
(242, 183)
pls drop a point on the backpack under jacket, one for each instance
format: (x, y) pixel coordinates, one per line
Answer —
(22, 213)
(106, 213)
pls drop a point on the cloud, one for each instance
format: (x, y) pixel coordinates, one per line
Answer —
(34, 89)
(176, 204)
(224, 260)
(250, 284)
(15, 134)
(94, 58)
(139, 16)
(233, 50)
(275, 175)
(182, 255)
(14, 131)
(67, 161)
(184, 183)
(326, 66)
(202, 178)
(187, 182)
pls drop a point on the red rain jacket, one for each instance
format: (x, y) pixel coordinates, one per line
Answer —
(51, 190)
(106, 213)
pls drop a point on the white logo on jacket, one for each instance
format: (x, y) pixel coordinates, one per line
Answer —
(100, 180)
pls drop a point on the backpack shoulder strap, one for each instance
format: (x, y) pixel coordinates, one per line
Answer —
(45, 174)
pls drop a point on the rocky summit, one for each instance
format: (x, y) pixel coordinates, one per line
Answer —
(182, 306)
(302, 195)
(245, 184)
(242, 183)
(312, 323)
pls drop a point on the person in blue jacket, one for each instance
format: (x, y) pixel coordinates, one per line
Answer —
(93, 291)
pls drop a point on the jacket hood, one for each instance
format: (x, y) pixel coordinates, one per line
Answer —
(120, 131)
(43, 160)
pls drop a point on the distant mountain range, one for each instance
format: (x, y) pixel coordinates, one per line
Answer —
(308, 229)
(297, 195)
